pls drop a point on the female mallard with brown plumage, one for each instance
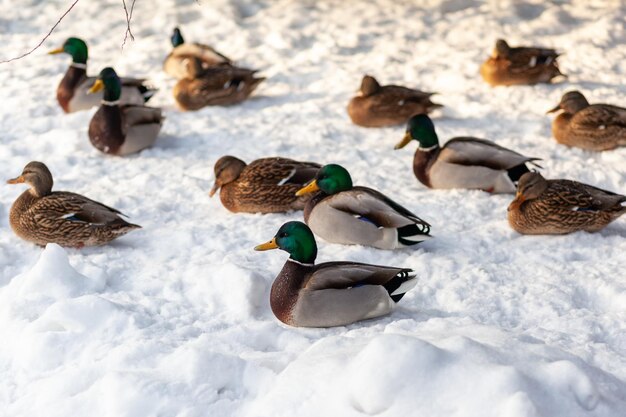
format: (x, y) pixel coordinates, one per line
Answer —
(121, 129)
(214, 86)
(267, 185)
(377, 106)
(561, 206)
(331, 293)
(42, 216)
(72, 91)
(520, 65)
(206, 56)
(463, 162)
(595, 127)
(342, 213)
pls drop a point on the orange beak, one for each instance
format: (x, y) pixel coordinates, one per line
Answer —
(309, 188)
(18, 180)
(216, 187)
(515, 204)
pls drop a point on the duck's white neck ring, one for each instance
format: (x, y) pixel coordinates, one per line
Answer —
(427, 149)
(78, 65)
(297, 262)
(110, 103)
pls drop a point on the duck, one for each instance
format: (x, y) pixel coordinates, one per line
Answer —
(463, 162)
(266, 185)
(555, 207)
(214, 86)
(206, 56)
(330, 294)
(72, 90)
(43, 216)
(520, 65)
(595, 127)
(379, 106)
(118, 129)
(342, 213)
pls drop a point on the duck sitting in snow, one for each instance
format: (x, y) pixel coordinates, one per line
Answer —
(119, 129)
(595, 127)
(544, 206)
(42, 216)
(332, 293)
(520, 65)
(342, 213)
(206, 56)
(377, 106)
(72, 91)
(215, 86)
(267, 185)
(463, 162)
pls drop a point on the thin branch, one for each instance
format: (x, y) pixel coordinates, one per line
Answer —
(47, 36)
(129, 16)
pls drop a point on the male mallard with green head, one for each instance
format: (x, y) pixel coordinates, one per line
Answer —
(121, 129)
(42, 216)
(342, 213)
(544, 206)
(332, 293)
(267, 185)
(520, 65)
(72, 91)
(378, 106)
(206, 56)
(595, 127)
(463, 162)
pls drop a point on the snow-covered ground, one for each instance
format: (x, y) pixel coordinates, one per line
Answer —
(174, 319)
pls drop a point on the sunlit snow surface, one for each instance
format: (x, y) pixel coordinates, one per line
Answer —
(174, 319)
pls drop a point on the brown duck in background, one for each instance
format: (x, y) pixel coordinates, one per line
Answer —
(121, 129)
(267, 185)
(595, 127)
(378, 106)
(42, 216)
(215, 86)
(206, 56)
(561, 206)
(520, 65)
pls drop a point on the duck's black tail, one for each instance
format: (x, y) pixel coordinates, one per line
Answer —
(413, 234)
(400, 284)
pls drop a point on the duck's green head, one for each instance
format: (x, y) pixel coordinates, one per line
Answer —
(110, 82)
(76, 47)
(331, 179)
(422, 129)
(296, 239)
(177, 38)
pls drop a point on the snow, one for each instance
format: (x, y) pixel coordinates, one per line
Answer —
(174, 319)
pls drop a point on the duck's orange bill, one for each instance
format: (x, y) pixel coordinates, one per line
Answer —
(515, 204)
(405, 141)
(97, 86)
(56, 51)
(17, 180)
(309, 188)
(557, 108)
(214, 189)
(267, 246)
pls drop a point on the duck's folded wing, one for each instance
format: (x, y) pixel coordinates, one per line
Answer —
(473, 151)
(282, 171)
(527, 58)
(373, 206)
(203, 52)
(341, 275)
(140, 115)
(599, 117)
(580, 197)
(75, 207)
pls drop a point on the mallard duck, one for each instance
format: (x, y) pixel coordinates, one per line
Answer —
(332, 293)
(463, 162)
(121, 129)
(521, 65)
(561, 206)
(42, 216)
(377, 106)
(206, 56)
(72, 91)
(214, 86)
(596, 127)
(342, 213)
(267, 185)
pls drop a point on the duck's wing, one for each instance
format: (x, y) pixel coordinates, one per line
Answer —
(480, 152)
(581, 197)
(343, 275)
(599, 116)
(522, 58)
(281, 171)
(73, 207)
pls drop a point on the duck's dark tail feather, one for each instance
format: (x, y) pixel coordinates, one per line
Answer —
(516, 172)
(413, 234)
(147, 92)
(400, 284)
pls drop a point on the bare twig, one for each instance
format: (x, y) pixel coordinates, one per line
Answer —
(45, 37)
(129, 16)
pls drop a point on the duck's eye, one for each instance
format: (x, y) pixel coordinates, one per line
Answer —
(283, 234)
